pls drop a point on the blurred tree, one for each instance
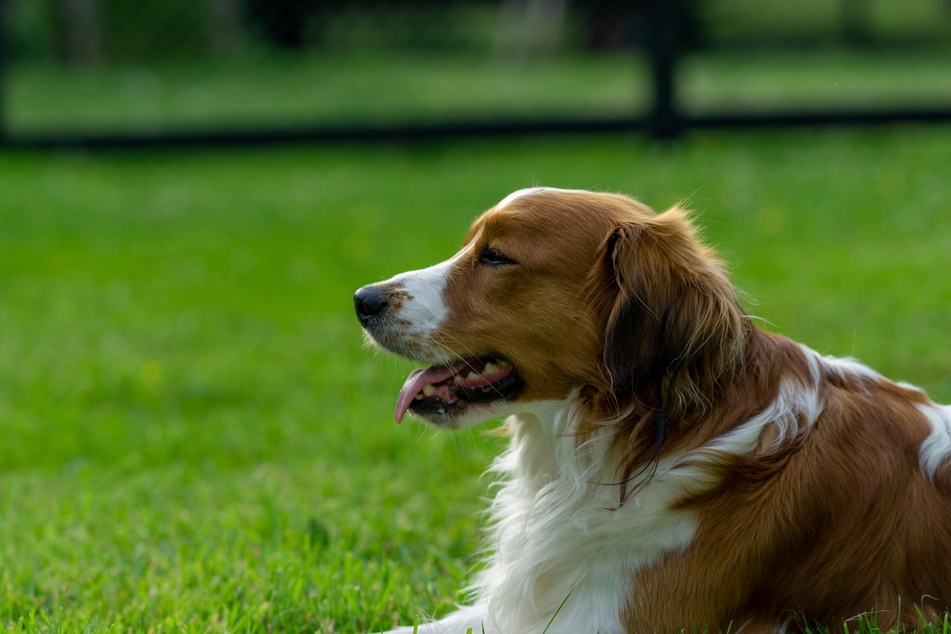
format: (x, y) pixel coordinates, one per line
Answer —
(856, 17)
(529, 27)
(89, 33)
(76, 22)
(226, 35)
(284, 22)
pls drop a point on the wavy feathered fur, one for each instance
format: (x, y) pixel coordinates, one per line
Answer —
(670, 466)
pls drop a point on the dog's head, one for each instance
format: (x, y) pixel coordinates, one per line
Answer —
(558, 292)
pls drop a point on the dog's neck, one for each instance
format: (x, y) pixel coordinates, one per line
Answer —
(570, 444)
(555, 452)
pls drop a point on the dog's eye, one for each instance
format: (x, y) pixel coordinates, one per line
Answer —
(491, 257)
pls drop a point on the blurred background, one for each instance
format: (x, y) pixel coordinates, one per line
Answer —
(307, 67)
(193, 436)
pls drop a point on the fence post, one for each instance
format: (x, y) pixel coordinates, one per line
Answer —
(664, 44)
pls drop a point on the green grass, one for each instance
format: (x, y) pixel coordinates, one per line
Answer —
(194, 438)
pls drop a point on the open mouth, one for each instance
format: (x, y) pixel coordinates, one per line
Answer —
(445, 390)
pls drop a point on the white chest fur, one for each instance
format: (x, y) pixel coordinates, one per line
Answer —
(560, 542)
(562, 551)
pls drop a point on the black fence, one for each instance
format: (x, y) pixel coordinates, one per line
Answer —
(120, 73)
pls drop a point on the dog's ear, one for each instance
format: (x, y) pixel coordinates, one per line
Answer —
(674, 328)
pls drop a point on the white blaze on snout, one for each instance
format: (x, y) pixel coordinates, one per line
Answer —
(423, 307)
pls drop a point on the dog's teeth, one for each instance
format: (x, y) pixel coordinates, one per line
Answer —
(429, 390)
(490, 368)
(503, 364)
(419, 397)
(472, 376)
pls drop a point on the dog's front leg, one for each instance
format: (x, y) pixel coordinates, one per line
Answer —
(466, 618)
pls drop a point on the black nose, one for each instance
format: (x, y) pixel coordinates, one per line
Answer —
(369, 302)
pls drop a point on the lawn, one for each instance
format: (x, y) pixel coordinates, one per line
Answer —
(195, 439)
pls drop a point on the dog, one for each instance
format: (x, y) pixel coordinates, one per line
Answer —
(671, 466)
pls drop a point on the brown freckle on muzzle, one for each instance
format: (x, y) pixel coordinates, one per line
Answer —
(374, 302)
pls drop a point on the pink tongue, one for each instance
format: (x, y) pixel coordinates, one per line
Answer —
(415, 382)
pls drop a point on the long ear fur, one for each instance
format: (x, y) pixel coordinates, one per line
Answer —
(675, 330)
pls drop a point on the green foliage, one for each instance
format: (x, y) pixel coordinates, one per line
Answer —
(194, 437)
(153, 30)
(818, 22)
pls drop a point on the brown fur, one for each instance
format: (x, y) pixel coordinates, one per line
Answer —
(835, 521)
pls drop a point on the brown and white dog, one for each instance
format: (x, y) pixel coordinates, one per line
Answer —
(671, 467)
